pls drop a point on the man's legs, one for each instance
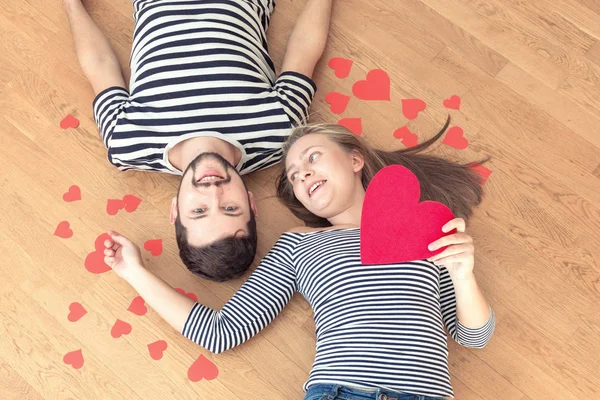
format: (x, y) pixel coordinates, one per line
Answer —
(309, 37)
(96, 57)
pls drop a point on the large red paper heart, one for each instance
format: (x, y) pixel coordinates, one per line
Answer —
(76, 312)
(73, 194)
(412, 107)
(455, 138)
(483, 172)
(154, 246)
(63, 230)
(395, 227)
(113, 206)
(157, 349)
(69, 122)
(341, 66)
(375, 87)
(131, 202)
(94, 262)
(408, 138)
(74, 359)
(353, 124)
(138, 306)
(453, 102)
(119, 329)
(190, 294)
(202, 368)
(337, 102)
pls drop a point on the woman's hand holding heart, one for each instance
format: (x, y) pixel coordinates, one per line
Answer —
(458, 257)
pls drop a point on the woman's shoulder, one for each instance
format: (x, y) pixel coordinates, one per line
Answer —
(308, 229)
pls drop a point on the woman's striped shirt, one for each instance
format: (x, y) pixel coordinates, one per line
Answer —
(201, 68)
(377, 326)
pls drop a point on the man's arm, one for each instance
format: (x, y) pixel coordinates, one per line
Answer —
(96, 57)
(309, 37)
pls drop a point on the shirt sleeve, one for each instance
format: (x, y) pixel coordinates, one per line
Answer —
(108, 108)
(254, 306)
(464, 336)
(295, 92)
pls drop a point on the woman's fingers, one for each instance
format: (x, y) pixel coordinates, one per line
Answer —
(451, 259)
(457, 238)
(457, 223)
(466, 249)
(109, 252)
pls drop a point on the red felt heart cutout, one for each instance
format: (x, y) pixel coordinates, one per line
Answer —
(138, 306)
(69, 122)
(73, 194)
(119, 329)
(154, 246)
(74, 359)
(408, 138)
(63, 230)
(94, 262)
(455, 138)
(453, 102)
(131, 202)
(483, 172)
(157, 349)
(190, 294)
(412, 107)
(341, 66)
(76, 312)
(113, 206)
(375, 87)
(337, 102)
(353, 124)
(395, 227)
(202, 368)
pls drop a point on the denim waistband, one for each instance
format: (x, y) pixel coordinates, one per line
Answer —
(339, 392)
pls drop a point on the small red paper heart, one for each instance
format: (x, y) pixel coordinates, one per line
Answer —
(454, 138)
(131, 202)
(157, 349)
(408, 138)
(69, 122)
(202, 368)
(189, 294)
(113, 206)
(120, 328)
(353, 124)
(453, 102)
(341, 66)
(73, 194)
(482, 171)
(94, 262)
(138, 306)
(76, 312)
(395, 227)
(63, 230)
(74, 359)
(375, 87)
(412, 107)
(337, 101)
(155, 246)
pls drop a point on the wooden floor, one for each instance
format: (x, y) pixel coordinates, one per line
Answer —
(528, 73)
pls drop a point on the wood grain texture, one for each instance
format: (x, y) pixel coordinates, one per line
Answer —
(528, 73)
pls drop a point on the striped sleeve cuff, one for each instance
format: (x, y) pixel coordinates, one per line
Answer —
(196, 323)
(476, 337)
(295, 92)
(107, 106)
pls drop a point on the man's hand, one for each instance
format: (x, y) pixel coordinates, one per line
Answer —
(122, 255)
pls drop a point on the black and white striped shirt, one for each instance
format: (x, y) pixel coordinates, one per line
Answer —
(201, 68)
(376, 326)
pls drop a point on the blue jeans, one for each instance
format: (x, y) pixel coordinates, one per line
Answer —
(338, 392)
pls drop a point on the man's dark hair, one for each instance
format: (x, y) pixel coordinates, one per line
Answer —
(222, 260)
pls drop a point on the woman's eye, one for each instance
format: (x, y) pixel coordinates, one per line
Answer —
(313, 157)
(231, 208)
(198, 210)
(293, 176)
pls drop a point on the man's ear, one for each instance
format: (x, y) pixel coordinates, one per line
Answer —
(173, 210)
(358, 161)
(252, 203)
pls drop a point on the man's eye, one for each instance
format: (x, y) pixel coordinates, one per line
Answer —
(198, 210)
(231, 209)
(313, 157)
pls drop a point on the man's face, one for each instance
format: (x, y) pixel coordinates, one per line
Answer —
(212, 201)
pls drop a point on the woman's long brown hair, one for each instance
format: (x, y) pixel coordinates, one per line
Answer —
(453, 184)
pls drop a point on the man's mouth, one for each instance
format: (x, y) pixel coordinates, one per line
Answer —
(316, 186)
(210, 176)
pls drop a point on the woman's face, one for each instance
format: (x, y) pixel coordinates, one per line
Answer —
(325, 177)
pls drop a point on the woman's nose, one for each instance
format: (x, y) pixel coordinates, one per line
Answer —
(307, 174)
